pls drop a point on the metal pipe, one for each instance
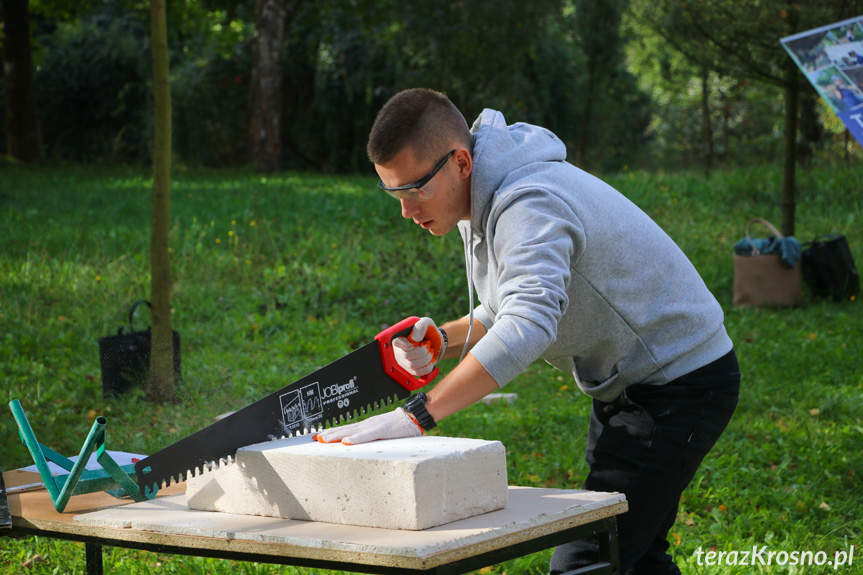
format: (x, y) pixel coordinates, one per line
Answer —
(29, 439)
(123, 479)
(94, 439)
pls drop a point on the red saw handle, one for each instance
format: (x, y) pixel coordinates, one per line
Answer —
(391, 366)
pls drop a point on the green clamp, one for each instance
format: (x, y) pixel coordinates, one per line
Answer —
(117, 480)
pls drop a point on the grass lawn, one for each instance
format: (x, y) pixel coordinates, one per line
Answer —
(276, 275)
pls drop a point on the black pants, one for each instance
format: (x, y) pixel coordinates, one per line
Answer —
(647, 444)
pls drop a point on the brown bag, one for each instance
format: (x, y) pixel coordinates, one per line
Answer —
(761, 279)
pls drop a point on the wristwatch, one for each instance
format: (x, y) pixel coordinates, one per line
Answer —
(416, 406)
(444, 340)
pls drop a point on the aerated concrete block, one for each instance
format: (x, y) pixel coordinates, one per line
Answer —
(412, 483)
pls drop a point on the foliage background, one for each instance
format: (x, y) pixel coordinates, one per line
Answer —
(596, 73)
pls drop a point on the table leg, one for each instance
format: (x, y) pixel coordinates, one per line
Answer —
(609, 547)
(5, 515)
(94, 558)
(609, 552)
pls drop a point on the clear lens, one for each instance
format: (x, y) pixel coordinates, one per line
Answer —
(427, 191)
(415, 194)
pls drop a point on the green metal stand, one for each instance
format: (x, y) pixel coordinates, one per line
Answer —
(117, 480)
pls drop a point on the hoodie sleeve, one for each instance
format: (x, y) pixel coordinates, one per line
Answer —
(482, 316)
(534, 238)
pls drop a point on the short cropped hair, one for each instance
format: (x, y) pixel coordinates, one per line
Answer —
(421, 118)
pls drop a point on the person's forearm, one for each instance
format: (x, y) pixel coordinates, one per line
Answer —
(456, 332)
(465, 385)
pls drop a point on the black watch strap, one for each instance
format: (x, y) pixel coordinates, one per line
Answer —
(416, 406)
(444, 343)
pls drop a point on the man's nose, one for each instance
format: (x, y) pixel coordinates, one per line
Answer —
(409, 208)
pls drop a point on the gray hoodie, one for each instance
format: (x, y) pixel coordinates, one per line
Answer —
(569, 270)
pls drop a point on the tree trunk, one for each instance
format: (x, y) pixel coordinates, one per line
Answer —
(23, 137)
(789, 153)
(587, 117)
(160, 378)
(809, 128)
(265, 94)
(706, 126)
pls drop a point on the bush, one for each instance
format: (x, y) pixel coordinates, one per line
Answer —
(208, 99)
(93, 82)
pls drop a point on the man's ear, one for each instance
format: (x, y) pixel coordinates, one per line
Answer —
(464, 162)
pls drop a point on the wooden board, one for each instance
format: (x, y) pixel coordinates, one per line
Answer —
(32, 508)
(530, 513)
(100, 518)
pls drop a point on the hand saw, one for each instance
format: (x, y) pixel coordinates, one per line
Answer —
(362, 381)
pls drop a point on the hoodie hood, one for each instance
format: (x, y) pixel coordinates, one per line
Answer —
(502, 153)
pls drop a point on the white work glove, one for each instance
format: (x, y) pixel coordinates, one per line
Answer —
(393, 425)
(420, 351)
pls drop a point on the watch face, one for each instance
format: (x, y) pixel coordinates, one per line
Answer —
(415, 402)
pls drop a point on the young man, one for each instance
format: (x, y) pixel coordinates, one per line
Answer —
(570, 271)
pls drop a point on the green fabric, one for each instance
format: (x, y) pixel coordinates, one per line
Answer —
(788, 248)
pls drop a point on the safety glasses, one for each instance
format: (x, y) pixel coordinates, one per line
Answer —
(416, 191)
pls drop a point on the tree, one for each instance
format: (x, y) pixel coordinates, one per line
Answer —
(160, 377)
(23, 136)
(345, 59)
(706, 125)
(741, 39)
(598, 38)
(266, 92)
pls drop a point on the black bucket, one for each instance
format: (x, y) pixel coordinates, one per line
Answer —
(125, 357)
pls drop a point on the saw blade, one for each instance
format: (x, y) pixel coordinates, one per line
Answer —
(350, 386)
